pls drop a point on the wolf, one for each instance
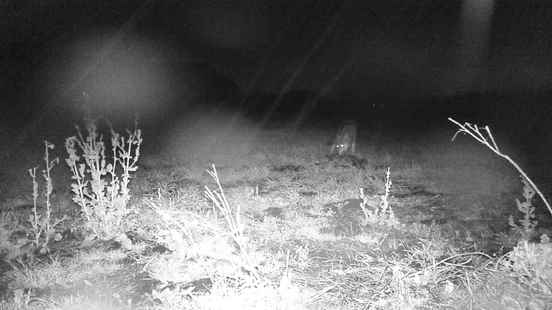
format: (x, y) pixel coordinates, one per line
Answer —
(345, 140)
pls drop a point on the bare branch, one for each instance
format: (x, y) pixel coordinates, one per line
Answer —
(474, 132)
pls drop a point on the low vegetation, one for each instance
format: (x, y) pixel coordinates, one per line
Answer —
(291, 229)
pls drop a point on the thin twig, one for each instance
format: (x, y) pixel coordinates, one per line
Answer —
(489, 141)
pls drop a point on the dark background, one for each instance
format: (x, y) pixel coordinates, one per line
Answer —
(397, 49)
(408, 64)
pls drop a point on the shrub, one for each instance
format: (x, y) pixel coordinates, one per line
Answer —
(100, 184)
(527, 225)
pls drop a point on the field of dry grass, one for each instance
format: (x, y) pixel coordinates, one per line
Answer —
(282, 226)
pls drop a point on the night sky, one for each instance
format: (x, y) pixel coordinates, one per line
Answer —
(158, 52)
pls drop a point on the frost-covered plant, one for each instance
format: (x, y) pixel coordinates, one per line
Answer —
(527, 225)
(42, 224)
(100, 184)
(383, 214)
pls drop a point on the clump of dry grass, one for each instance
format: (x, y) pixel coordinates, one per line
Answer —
(232, 218)
(214, 263)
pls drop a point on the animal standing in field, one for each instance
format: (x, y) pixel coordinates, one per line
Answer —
(345, 140)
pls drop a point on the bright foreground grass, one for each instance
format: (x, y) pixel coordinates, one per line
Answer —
(301, 243)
